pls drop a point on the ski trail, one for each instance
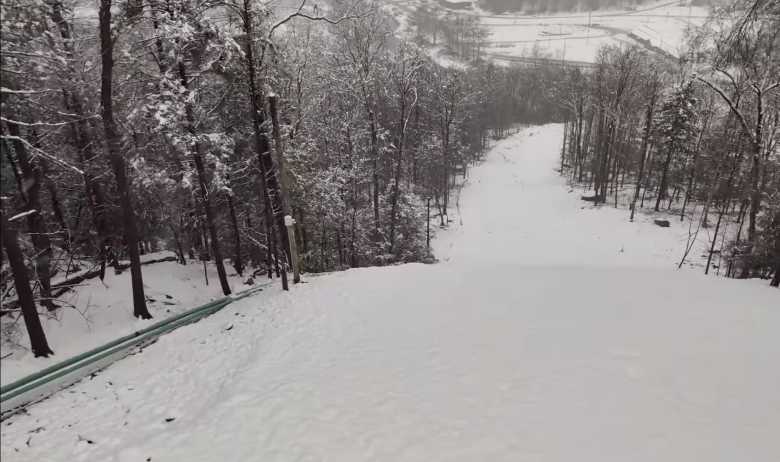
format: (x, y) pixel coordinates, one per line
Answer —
(523, 346)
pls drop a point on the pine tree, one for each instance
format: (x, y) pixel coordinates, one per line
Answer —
(676, 131)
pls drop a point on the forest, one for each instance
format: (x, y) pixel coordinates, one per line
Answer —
(198, 125)
(697, 137)
(317, 140)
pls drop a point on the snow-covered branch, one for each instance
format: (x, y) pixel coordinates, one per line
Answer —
(22, 215)
(43, 153)
(299, 13)
(42, 124)
(27, 92)
(733, 107)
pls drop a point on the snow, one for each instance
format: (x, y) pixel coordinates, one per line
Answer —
(439, 56)
(568, 35)
(547, 219)
(535, 338)
(574, 36)
(97, 313)
(22, 215)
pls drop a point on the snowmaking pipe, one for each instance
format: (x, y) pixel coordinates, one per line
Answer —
(53, 378)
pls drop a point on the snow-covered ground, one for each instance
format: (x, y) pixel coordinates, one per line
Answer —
(578, 36)
(548, 332)
(524, 205)
(98, 312)
(575, 36)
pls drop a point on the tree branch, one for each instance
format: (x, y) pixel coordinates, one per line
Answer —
(43, 153)
(300, 14)
(733, 108)
(44, 124)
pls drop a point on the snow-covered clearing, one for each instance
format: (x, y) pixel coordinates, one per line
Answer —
(574, 36)
(98, 312)
(578, 36)
(536, 338)
(524, 205)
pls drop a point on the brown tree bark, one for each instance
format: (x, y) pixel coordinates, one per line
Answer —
(265, 160)
(643, 152)
(82, 142)
(204, 195)
(404, 87)
(238, 262)
(284, 196)
(32, 176)
(113, 145)
(32, 322)
(662, 188)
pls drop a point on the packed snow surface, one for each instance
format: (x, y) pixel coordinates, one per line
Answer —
(548, 332)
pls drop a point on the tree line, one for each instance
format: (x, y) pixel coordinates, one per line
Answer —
(199, 125)
(698, 136)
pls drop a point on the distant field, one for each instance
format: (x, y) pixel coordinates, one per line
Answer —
(573, 35)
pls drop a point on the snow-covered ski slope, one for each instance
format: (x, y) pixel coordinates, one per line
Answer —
(535, 339)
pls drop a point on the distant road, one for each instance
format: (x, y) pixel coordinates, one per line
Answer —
(608, 31)
(540, 61)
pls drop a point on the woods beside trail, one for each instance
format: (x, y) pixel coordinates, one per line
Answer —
(697, 137)
(222, 129)
(198, 125)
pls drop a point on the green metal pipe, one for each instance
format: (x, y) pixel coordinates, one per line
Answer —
(87, 358)
(105, 352)
(96, 350)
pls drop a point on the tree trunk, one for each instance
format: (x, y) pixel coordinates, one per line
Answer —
(56, 208)
(265, 160)
(397, 173)
(755, 191)
(586, 147)
(117, 161)
(692, 176)
(375, 169)
(643, 153)
(15, 169)
(33, 179)
(284, 196)
(92, 186)
(577, 153)
(598, 155)
(664, 179)
(238, 262)
(82, 143)
(428, 226)
(714, 239)
(205, 197)
(269, 230)
(38, 343)
(179, 249)
(563, 147)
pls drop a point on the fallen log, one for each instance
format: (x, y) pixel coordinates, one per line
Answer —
(63, 286)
